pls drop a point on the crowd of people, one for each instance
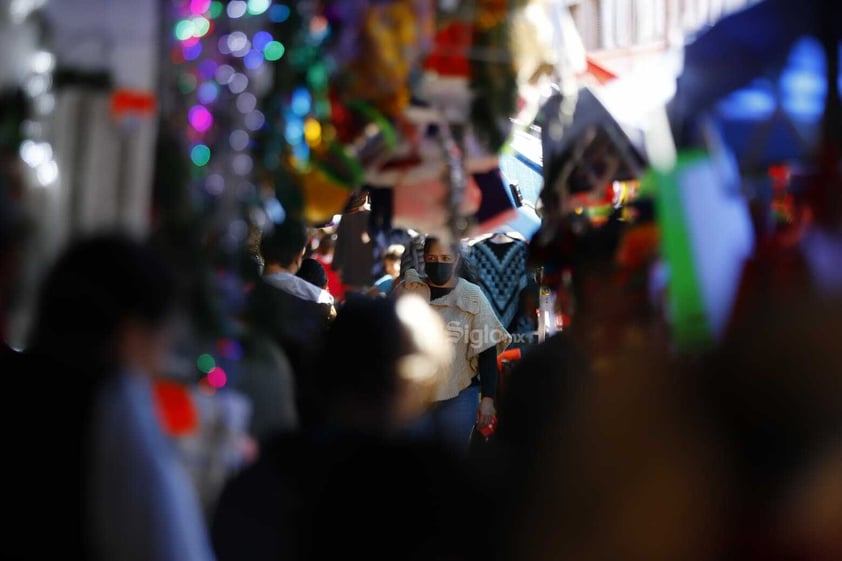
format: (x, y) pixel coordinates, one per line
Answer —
(367, 405)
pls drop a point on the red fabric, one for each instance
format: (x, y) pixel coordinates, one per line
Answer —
(176, 410)
(334, 283)
(127, 101)
(449, 55)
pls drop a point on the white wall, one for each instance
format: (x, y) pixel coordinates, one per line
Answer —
(105, 164)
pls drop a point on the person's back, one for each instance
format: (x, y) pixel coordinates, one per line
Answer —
(98, 338)
(300, 499)
(290, 310)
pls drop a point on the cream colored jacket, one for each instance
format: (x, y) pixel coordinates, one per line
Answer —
(472, 327)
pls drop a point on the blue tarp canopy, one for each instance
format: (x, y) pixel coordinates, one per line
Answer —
(762, 75)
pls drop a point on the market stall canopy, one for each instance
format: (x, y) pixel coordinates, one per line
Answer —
(761, 73)
(592, 147)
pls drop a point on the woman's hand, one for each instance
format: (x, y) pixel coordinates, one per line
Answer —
(485, 413)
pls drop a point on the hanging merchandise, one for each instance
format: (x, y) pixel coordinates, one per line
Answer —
(704, 257)
(547, 322)
(353, 257)
(499, 262)
(496, 206)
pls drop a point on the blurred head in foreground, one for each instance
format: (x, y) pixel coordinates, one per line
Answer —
(104, 307)
(381, 363)
(313, 272)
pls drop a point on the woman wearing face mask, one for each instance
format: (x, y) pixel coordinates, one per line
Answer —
(466, 395)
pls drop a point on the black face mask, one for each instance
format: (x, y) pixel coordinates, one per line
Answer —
(439, 273)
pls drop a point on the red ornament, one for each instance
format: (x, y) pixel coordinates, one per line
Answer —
(449, 56)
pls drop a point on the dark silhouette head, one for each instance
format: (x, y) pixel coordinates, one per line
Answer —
(382, 358)
(313, 272)
(103, 300)
(285, 245)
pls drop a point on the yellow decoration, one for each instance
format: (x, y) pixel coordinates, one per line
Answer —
(388, 46)
(491, 13)
(312, 132)
(322, 197)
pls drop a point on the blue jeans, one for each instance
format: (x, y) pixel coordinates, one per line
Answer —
(450, 421)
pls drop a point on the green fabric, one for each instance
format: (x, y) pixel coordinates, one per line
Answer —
(690, 324)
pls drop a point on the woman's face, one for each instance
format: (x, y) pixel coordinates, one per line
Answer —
(440, 263)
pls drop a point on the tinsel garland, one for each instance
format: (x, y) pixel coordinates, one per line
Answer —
(493, 77)
(361, 74)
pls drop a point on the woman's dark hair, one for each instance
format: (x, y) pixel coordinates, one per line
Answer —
(313, 272)
(466, 269)
(95, 286)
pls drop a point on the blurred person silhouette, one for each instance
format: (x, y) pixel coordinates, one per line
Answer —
(300, 500)
(313, 272)
(392, 270)
(15, 224)
(13, 234)
(774, 392)
(99, 338)
(465, 396)
(603, 450)
(291, 311)
(267, 380)
(323, 253)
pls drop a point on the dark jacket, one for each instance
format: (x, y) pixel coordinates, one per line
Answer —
(298, 326)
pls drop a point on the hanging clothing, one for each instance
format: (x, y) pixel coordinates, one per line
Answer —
(501, 270)
(353, 257)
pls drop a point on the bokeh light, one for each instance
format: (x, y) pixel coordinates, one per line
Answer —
(187, 83)
(208, 92)
(47, 172)
(242, 164)
(200, 118)
(224, 74)
(35, 153)
(239, 140)
(319, 28)
(312, 132)
(253, 60)
(273, 50)
(294, 131)
(207, 68)
(257, 7)
(222, 45)
(205, 363)
(275, 210)
(317, 77)
(217, 377)
(184, 29)
(215, 184)
(199, 7)
(201, 26)
(246, 102)
(279, 13)
(255, 120)
(261, 39)
(192, 52)
(301, 102)
(237, 41)
(215, 9)
(236, 9)
(200, 155)
(231, 348)
(238, 83)
(302, 156)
